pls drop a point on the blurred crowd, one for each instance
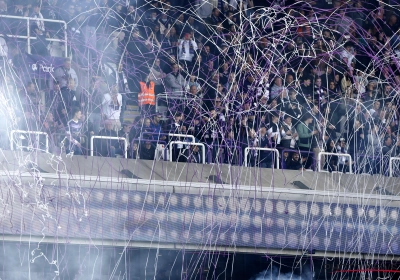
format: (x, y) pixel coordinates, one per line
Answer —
(300, 77)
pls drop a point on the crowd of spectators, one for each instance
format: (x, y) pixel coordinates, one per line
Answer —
(301, 77)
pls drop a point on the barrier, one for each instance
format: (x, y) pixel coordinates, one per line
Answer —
(203, 150)
(28, 132)
(171, 134)
(109, 138)
(335, 154)
(67, 135)
(246, 153)
(391, 166)
(295, 151)
(238, 149)
(29, 37)
(157, 142)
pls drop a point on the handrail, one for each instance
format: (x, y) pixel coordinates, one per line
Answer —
(184, 136)
(335, 154)
(203, 150)
(109, 138)
(28, 37)
(246, 153)
(390, 165)
(171, 134)
(28, 132)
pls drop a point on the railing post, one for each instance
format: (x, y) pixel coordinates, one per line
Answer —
(66, 39)
(28, 30)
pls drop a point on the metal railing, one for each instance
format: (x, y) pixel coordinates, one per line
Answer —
(109, 138)
(246, 153)
(170, 134)
(222, 150)
(391, 165)
(59, 137)
(203, 150)
(28, 132)
(138, 140)
(350, 164)
(29, 37)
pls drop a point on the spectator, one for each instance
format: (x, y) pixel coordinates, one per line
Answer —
(195, 155)
(157, 76)
(108, 147)
(288, 133)
(39, 46)
(305, 133)
(111, 107)
(74, 132)
(64, 73)
(187, 48)
(38, 16)
(343, 161)
(174, 81)
(297, 163)
(147, 151)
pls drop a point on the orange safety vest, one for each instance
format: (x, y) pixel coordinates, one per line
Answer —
(146, 95)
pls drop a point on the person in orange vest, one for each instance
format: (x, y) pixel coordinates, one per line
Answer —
(147, 97)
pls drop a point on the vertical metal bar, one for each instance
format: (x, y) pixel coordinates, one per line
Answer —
(28, 30)
(126, 147)
(47, 143)
(12, 140)
(91, 146)
(66, 40)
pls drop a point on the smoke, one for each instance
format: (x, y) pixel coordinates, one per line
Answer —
(275, 274)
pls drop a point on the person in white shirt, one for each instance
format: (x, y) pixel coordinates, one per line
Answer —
(38, 15)
(187, 48)
(288, 133)
(273, 131)
(111, 107)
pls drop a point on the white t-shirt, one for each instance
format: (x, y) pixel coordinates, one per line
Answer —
(185, 52)
(112, 109)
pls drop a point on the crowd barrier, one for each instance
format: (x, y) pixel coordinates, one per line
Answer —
(203, 150)
(152, 141)
(246, 153)
(350, 163)
(391, 165)
(28, 132)
(28, 36)
(66, 135)
(109, 138)
(170, 135)
(237, 149)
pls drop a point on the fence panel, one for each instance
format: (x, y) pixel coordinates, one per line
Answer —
(246, 153)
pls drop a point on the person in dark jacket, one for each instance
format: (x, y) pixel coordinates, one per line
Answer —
(147, 151)
(108, 147)
(297, 163)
